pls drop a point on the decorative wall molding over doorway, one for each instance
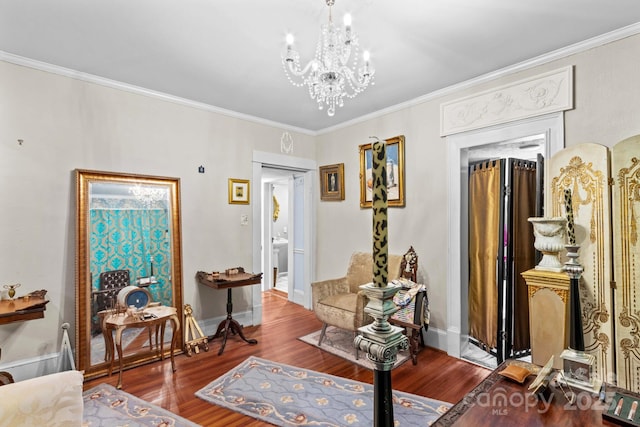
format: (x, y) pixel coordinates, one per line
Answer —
(535, 96)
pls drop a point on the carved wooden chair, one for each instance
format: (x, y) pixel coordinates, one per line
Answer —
(110, 283)
(409, 265)
(413, 305)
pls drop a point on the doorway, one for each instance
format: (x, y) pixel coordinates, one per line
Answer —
(301, 177)
(277, 221)
(461, 148)
(503, 194)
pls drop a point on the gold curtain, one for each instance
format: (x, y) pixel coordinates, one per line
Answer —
(485, 204)
(524, 206)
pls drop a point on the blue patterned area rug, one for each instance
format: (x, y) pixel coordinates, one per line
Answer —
(285, 395)
(106, 406)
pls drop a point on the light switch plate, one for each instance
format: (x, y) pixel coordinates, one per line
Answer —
(244, 219)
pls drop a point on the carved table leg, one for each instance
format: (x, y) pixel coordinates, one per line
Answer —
(119, 349)
(229, 324)
(414, 345)
(175, 329)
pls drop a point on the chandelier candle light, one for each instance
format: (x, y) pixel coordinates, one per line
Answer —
(329, 76)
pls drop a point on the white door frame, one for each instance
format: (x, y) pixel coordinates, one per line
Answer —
(552, 125)
(260, 159)
(302, 297)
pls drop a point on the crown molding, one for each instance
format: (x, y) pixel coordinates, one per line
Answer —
(573, 49)
(114, 84)
(591, 43)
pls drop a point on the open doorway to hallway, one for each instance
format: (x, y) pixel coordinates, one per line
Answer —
(277, 218)
(300, 227)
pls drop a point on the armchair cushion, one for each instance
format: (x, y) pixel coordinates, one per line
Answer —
(326, 288)
(340, 302)
(51, 400)
(345, 302)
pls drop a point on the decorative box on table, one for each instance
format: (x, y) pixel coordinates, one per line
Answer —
(623, 410)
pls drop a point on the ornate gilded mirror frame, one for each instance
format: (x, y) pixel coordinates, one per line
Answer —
(86, 280)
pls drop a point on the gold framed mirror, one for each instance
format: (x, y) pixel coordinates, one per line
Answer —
(128, 233)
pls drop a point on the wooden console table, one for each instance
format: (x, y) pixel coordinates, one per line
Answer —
(229, 282)
(19, 310)
(120, 322)
(498, 401)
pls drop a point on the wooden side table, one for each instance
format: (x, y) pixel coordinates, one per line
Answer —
(119, 322)
(228, 282)
(20, 310)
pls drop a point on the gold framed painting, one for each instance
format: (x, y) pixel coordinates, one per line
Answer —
(332, 182)
(395, 173)
(239, 191)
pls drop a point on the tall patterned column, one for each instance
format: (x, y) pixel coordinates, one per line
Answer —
(379, 205)
(380, 340)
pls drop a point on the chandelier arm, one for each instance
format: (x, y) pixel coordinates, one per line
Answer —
(353, 80)
(296, 71)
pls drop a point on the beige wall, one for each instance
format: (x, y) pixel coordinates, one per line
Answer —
(68, 124)
(607, 110)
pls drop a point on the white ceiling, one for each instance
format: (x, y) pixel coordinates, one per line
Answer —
(226, 53)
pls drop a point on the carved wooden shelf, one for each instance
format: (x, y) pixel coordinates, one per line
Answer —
(19, 309)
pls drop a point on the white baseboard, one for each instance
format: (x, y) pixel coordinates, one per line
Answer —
(49, 363)
(32, 367)
(209, 326)
(24, 369)
(298, 297)
(436, 338)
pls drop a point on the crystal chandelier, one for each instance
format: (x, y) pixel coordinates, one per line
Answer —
(148, 196)
(328, 76)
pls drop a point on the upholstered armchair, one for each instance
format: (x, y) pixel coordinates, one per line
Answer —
(340, 302)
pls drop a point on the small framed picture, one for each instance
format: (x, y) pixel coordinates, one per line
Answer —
(395, 173)
(239, 191)
(332, 182)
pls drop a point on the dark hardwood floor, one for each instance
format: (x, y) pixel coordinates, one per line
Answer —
(437, 375)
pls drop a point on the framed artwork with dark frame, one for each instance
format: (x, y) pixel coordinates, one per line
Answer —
(395, 173)
(332, 182)
(239, 191)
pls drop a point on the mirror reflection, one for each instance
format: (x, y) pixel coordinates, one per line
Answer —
(128, 238)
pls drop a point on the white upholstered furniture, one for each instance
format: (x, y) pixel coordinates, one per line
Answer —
(51, 400)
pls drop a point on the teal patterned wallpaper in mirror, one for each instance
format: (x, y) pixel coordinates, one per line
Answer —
(126, 234)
